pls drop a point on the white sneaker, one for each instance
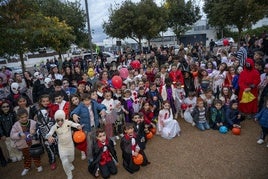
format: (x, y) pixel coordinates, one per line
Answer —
(72, 167)
(83, 155)
(121, 135)
(19, 158)
(39, 169)
(260, 141)
(70, 176)
(117, 137)
(14, 159)
(24, 172)
(267, 145)
(114, 142)
(193, 124)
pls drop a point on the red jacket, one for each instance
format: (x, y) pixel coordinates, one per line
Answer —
(176, 76)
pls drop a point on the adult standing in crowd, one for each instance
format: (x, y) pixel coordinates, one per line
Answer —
(249, 80)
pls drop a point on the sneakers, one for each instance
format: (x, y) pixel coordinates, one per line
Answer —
(14, 159)
(121, 135)
(83, 155)
(260, 141)
(53, 166)
(19, 158)
(72, 167)
(70, 176)
(25, 171)
(114, 142)
(117, 137)
(39, 169)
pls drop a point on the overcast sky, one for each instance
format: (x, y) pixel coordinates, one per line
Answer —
(98, 11)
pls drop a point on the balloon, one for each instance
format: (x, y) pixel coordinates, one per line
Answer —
(123, 73)
(225, 42)
(184, 106)
(90, 72)
(236, 131)
(138, 160)
(79, 136)
(223, 130)
(117, 82)
(135, 64)
(149, 135)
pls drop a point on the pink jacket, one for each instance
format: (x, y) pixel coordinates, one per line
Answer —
(14, 134)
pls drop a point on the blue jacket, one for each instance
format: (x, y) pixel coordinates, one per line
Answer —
(262, 117)
(82, 111)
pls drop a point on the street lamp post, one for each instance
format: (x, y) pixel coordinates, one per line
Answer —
(89, 31)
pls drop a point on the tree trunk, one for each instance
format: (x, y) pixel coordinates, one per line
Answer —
(140, 47)
(22, 62)
(239, 37)
(60, 61)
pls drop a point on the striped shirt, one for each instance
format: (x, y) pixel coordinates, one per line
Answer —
(242, 55)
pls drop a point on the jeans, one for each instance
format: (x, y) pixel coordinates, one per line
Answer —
(202, 126)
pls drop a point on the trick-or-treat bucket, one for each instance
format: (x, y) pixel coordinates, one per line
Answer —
(36, 150)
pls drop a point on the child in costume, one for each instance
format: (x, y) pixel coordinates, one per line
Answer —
(22, 133)
(65, 143)
(130, 148)
(43, 124)
(141, 130)
(104, 156)
(167, 127)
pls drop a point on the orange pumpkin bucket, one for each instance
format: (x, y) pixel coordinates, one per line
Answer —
(79, 136)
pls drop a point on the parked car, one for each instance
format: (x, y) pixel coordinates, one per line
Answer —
(109, 56)
(15, 69)
(220, 41)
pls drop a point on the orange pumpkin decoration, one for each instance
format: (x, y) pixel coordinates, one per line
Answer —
(79, 136)
(153, 130)
(236, 131)
(138, 160)
(149, 135)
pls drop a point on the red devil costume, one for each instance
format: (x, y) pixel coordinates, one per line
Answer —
(249, 78)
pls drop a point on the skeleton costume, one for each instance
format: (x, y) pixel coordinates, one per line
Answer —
(44, 124)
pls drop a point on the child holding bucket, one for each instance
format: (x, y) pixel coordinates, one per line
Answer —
(22, 133)
(65, 143)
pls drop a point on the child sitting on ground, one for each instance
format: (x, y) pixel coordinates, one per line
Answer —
(167, 126)
(217, 115)
(199, 115)
(65, 142)
(233, 116)
(130, 148)
(141, 130)
(104, 156)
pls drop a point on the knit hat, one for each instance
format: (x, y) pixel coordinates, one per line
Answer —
(60, 114)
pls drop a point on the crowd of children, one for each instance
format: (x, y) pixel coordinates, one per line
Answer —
(206, 92)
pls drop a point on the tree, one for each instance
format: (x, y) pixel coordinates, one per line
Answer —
(70, 12)
(135, 20)
(239, 13)
(181, 15)
(23, 28)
